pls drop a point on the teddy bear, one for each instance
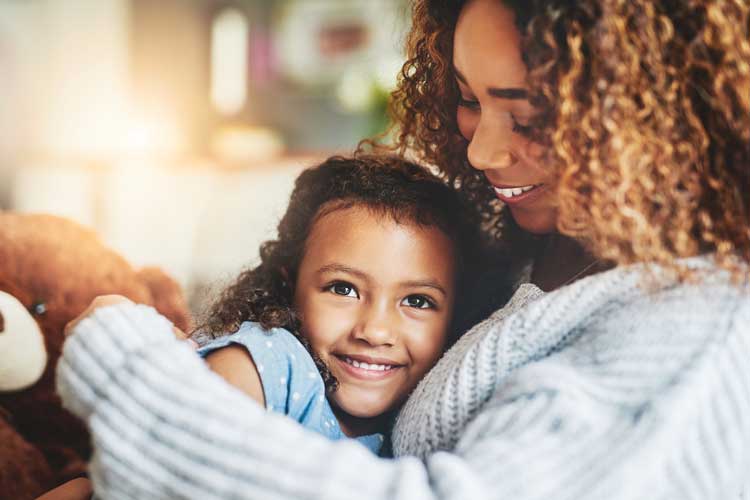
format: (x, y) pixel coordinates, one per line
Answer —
(50, 270)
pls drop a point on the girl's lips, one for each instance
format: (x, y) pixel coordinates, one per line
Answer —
(527, 197)
(365, 374)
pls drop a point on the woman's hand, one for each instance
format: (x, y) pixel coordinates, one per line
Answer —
(100, 301)
(109, 300)
(75, 489)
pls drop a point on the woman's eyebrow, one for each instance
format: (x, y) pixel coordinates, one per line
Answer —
(513, 93)
(518, 94)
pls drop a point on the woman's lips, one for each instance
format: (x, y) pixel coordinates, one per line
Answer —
(366, 371)
(514, 195)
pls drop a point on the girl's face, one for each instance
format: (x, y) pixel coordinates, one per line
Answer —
(375, 299)
(493, 113)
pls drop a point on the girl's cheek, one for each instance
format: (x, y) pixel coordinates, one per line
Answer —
(427, 348)
(325, 324)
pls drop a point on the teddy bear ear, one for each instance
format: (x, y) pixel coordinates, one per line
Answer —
(166, 297)
(24, 356)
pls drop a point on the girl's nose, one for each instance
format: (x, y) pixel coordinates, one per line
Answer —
(375, 328)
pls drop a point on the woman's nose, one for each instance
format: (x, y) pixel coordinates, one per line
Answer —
(490, 146)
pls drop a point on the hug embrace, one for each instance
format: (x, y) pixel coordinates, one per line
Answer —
(562, 312)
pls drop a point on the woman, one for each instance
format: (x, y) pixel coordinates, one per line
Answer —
(625, 125)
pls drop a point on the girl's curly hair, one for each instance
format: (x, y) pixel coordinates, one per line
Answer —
(391, 187)
(645, 109)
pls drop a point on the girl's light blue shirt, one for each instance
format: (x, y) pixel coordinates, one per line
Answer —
(292, 384)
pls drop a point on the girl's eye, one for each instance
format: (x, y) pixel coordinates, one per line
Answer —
(468, 103)
(344, 289)
(418, 302)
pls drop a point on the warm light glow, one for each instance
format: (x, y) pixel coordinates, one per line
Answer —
(229, 61)
(151, 134)
(124, 133)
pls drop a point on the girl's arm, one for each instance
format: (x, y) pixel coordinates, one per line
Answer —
(236, 366)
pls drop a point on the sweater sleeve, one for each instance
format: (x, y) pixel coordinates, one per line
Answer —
(163, 426)
(647, 400)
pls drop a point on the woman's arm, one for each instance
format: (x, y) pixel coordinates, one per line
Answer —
(164, 426)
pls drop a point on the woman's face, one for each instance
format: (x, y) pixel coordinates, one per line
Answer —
(494, 113)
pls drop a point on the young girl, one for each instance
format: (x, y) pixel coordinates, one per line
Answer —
(377, 267)
(355, 299)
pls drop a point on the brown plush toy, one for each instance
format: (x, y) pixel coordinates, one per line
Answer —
(50, 270)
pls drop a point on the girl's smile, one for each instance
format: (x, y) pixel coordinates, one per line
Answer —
(375, 369)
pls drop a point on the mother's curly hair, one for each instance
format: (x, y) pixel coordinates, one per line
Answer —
(645, 109)
(391, 187)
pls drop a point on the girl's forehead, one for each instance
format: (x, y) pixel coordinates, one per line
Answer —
(378, 245)
(352, 220)
(362, 214)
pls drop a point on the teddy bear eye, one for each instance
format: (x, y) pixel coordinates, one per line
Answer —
(38, 308)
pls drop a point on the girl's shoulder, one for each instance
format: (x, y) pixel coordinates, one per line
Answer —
(285, 367)
(276, 344)
(254, 336)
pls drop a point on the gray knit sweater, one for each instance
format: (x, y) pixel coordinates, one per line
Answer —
(602, 389)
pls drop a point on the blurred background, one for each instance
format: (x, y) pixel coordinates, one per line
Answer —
(175, 128)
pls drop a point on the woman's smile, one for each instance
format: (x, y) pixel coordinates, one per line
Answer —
(494, 114)
(517, 195)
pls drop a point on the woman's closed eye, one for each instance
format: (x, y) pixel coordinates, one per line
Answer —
(342, 288)
(472, 104)
(520, 128)
(516, 125)
(419, 302)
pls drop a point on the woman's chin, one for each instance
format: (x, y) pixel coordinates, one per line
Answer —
(536, 221)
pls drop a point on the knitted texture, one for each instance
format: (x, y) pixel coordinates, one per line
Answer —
(454, 390)
(601, 389)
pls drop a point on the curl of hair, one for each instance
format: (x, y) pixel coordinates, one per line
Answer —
(390, 187)
(645, 110)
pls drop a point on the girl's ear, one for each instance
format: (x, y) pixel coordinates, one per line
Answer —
(287, 283)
